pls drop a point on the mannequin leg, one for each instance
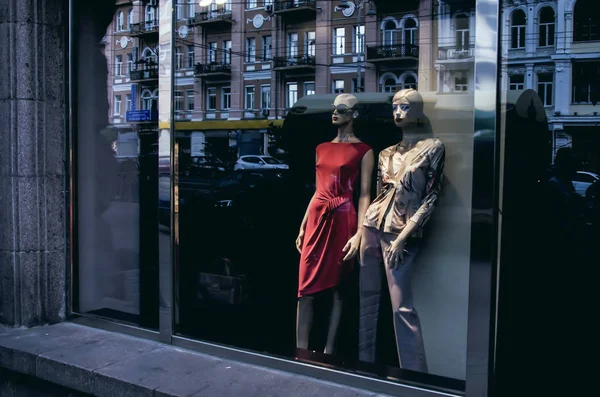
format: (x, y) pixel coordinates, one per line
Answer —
(304, 320)
(334, 321)
(370, 258)
(407, 326)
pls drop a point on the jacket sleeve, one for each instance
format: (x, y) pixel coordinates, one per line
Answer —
(433, 187)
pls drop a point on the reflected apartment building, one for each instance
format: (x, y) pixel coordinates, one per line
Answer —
(241, 65)
(552, 47)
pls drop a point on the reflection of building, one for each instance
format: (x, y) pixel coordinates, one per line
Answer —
(240, 65)
(552, 47)
(455, 46)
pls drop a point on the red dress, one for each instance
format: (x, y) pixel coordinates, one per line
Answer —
(332, 218)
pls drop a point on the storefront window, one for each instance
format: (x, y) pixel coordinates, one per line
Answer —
(116, 163)
(253, 272)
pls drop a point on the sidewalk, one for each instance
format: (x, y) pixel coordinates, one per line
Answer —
(102, 363)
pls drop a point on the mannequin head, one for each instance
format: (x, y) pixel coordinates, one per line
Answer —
(344, 110)
(408, 108)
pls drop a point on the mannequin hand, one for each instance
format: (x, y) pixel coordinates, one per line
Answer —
(395, 253)
(352, 246)
(299, 241)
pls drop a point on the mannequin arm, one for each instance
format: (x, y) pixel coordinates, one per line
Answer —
(433, 187)
(366, 172)
(300, 237)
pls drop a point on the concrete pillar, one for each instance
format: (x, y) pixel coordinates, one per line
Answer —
(530, 29)
(32, 162)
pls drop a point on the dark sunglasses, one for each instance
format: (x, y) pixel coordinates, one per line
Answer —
(402, 106)
(340, 109)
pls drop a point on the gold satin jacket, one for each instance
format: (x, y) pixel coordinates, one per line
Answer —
(409, 183)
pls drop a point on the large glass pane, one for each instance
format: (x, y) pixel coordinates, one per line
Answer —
(269, 198)
(116, 152)
(551, 156)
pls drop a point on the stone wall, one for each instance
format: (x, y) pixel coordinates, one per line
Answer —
(32, 161)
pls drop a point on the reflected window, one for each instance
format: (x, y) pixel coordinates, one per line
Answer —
(190, 56)
(292, 94)
(119, 22)
(292, 46)
(251, 50)
(129, 64)
(310, 47)
(117, 105)
(547, 27)
(461, 83)
(338, 86)
(265, 97)
(149, 100)
(587, 21)
(586, 82)
(517, 31)
(410, 81)
(129, 18)
(516, 82)
(212, 52)
(178, 58)
(339, 41)
(226, 99)
(546, 88)
(359, 39)
(389, 32)
(190, 100)
(178, 101)
(249, 105)
(389, 84)
(462, 32)
(150, 15)
(309, 88)
(410, 31)
(128, 103)
(211, 99)
(266, 46)
(227, 52)
(118, 65)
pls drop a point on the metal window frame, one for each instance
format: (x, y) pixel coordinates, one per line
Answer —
(480, 358)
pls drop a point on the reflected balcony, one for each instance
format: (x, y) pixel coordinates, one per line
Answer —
(295, 8)
(303, 63)
(212, 70)
(456, 53)
(392, 53)
(221, 18)
(148, 28)
(144, 74)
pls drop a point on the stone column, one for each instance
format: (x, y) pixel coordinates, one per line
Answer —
(32, 162)
(529, 77)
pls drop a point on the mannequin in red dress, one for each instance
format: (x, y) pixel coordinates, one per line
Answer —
(330, 233)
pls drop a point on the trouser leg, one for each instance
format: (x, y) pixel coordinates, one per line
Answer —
(407, 326)
(370, 293)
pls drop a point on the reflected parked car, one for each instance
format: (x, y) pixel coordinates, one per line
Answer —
(583, 180)
(259, 162)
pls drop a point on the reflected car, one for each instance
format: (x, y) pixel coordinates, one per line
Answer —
(259, 162)
(583, 180)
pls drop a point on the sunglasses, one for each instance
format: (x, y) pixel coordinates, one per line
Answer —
(340, 109)
(402, 106)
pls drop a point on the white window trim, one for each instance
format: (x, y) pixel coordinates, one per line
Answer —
(208, 95)
(118, 101)
(335, 42)
(246, 93)
(261, 97)
(288, 105)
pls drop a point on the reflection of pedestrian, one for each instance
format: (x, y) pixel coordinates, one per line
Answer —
(563, 203)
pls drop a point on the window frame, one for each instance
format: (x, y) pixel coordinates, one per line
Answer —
(250, 49)
(249, 97)
(519, 41)
(339, 41)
